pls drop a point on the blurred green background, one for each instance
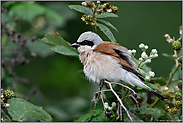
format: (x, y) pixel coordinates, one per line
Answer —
(62, 91)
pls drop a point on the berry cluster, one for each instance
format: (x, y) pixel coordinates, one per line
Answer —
(101, 7)
(173, 96)
(176, 45)
(5, 96)
(15, 43)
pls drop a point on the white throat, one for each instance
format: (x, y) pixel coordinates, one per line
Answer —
(86, 48)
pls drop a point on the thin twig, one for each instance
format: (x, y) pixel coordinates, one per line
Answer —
(128, 114)
(103, 101)
(172, 74)
(124, 86)
(96, 99)
(121, 114)
(176, 61)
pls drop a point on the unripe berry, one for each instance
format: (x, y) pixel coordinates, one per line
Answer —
(89, 18)
(8, 94)
(107, 5)
(176, 45)
(178, 104)
(180, 84)
(174, 110)
(90, 4)
(115, 8)
(178, 96)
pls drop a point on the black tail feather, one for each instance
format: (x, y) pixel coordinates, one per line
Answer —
(158, 95)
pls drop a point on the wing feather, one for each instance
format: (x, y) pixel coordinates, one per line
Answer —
(119, 53)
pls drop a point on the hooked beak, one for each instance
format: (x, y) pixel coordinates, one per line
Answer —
(75, 45)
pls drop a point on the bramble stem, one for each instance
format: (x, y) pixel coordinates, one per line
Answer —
(172, 74)
(94, 18)
(155, 102)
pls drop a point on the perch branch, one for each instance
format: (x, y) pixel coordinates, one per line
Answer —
(128, 114)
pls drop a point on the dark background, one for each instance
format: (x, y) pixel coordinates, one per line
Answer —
(62, 91)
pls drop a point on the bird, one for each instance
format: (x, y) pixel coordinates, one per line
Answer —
(103, 60)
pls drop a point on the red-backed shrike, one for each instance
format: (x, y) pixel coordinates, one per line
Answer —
(108, 60)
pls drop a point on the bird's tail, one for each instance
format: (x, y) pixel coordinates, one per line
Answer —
(158, 95)
(141, 84)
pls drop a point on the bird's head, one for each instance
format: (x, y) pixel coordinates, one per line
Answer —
(87, 41)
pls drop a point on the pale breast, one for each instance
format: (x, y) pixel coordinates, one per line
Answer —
(99, 66)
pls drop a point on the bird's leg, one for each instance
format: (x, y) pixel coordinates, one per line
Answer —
(101, 84)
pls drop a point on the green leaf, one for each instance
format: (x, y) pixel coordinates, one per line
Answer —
(64, 50)
(108, 24)
(106, 31)
(168, 56)
(60, 45)
(150, 114)
(4, 116)
(20, 110)
(138, 88)
(53, 39)
(136, 119)
(94, 116)
(28, 10)
(159, 80)
(153, 86)
(81, 9)
(8, 3)
(106, 15)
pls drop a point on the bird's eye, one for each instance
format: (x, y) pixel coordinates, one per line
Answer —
(86, 42)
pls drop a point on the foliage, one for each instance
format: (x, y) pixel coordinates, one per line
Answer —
(37, 20)
(97, 13)
(59, 45)
(20, 110)
(91, 15)
(19, 45)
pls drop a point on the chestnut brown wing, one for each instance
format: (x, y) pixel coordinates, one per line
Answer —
(119, 53)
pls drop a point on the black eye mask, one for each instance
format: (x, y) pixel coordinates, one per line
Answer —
(85, 42)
